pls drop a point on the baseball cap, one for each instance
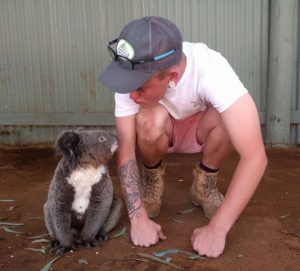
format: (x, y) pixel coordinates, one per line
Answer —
(144, 46)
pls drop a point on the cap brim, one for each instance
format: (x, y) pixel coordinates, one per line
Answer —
(122, 80)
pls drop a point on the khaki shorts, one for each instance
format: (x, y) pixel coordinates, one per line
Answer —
(184, 134)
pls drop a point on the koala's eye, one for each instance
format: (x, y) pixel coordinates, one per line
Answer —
(102, 139)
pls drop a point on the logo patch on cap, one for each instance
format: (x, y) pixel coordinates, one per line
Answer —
(125, 49)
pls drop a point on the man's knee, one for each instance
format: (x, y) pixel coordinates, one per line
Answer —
(151, 123)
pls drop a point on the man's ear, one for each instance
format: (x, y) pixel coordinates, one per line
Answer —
(174, 74)
(67, 145)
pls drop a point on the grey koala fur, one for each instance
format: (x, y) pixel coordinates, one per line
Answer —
(81, 206)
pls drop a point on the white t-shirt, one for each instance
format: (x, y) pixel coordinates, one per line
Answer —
(207, 80)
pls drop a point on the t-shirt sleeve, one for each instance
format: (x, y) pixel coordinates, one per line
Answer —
(221, 85)
(124, 106)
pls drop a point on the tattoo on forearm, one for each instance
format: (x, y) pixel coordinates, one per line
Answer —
(130, 181)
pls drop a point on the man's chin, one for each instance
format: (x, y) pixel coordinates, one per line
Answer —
(145, 105)
(142, 104)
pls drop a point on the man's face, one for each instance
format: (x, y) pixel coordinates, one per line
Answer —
(151, 92)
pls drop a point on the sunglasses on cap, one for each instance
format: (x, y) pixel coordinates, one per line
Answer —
(128, 63)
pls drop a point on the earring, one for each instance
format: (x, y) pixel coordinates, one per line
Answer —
(171, 84)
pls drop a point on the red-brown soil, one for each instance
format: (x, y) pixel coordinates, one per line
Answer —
(256, 242)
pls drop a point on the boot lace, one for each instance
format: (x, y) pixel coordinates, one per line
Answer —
(150, 182)
(210, 189)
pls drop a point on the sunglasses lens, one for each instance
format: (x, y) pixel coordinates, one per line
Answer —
(112, 53)
(125, 63)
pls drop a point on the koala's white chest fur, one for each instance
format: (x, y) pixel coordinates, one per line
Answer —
(82, 180)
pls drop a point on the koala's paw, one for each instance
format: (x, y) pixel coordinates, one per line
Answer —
(57, 249)
(92, 243)
(77, 241)
(104, 236)
(60, 250)
(53, 244)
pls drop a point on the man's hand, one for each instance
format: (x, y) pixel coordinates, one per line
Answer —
(145, 232)
(206, 241)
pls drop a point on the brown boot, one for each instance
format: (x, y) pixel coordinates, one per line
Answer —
(204, 192)
(153, 186)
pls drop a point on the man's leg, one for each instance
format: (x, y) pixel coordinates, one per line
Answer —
(213, 134)
(154, 133)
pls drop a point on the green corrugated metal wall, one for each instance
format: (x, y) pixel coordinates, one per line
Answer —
(51, 52)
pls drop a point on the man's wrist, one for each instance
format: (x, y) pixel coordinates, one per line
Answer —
(219, 225)
(139, 214)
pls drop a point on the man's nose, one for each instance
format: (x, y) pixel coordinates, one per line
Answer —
(134, 95)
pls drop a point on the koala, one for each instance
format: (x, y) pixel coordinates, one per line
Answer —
(81, 207)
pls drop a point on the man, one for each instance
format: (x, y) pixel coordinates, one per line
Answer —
(181, 97)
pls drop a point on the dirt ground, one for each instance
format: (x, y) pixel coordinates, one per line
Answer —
(258, 241)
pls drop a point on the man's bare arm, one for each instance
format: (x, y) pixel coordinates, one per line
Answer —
(144, 232)
(242, 123)
(127, 166)
(130, 181)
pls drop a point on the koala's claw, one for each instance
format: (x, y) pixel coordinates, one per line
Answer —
(104, 237)
(57, 249)
(53, 244)
(77, 241)
(92, 243)
(61, 250)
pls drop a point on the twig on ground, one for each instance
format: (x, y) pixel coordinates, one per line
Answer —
(291, 233)
(121, 232)
(7, 200)
(177, 220)
(187, 211)
(36, 218)
(159, 260)
(49, 264)
(192, 256)
(38, 236)
(9, 230)
(11, 224)
(41, 250)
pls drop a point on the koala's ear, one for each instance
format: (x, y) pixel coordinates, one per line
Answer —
(67, 144)
(79, 129)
